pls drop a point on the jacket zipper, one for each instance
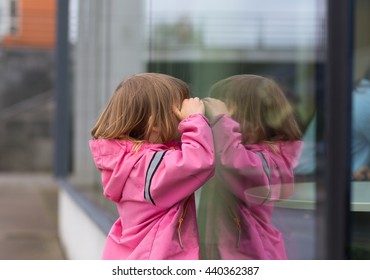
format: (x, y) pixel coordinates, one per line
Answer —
(181, 219)
(236, 221)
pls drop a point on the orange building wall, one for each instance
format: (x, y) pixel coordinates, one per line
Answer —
(37, 25)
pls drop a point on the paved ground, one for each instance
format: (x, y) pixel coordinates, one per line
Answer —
(28, 217)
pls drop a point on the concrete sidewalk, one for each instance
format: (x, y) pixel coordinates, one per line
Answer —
(28, 217)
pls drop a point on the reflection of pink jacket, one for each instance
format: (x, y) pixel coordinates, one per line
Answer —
(238, 202)
(153, 190)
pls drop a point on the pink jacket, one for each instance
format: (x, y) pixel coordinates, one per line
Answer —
(237, 205)
(153, 189)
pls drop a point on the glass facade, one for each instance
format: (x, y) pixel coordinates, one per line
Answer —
(360, 231)
(203, 42)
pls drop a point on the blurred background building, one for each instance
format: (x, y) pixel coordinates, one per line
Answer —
(26, 84)
(46, 115)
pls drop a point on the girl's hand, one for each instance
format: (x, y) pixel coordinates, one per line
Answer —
(215, 107)
(189, 107)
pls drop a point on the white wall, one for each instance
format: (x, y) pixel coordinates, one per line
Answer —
(79, 235)
(109, 47)
(4, 17)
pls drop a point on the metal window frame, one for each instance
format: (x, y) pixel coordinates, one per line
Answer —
(334, 160)
(62, 118)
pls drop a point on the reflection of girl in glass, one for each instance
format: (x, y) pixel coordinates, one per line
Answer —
(148, 171)
(361, 129)
(257, 143)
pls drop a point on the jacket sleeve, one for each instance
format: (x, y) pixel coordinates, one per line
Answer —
(172, 175)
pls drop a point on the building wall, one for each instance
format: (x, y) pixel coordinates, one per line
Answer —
(26, 110)
(36, 25)
(108, 49)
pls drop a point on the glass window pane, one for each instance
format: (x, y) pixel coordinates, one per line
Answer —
(361, 133)
(203, 42)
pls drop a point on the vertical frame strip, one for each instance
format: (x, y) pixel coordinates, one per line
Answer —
(334, 181)
(62, 94)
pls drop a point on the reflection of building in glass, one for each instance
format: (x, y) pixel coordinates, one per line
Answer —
(242, 30)
(210, 40)
(238, 31)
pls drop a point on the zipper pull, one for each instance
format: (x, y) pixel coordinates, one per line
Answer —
(179, 231)
(237, 222)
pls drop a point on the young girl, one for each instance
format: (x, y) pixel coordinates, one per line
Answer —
(257, 145)
(154, 148)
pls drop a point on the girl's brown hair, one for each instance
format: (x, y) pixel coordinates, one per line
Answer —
(140, 103)
(260, 106)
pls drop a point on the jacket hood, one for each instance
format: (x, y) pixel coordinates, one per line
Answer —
(286, 155)
(291, 151)
(116, 160)
(109, 156)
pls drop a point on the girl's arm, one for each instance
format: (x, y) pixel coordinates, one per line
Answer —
(246, 172)
(230, 150)
(173, 175)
